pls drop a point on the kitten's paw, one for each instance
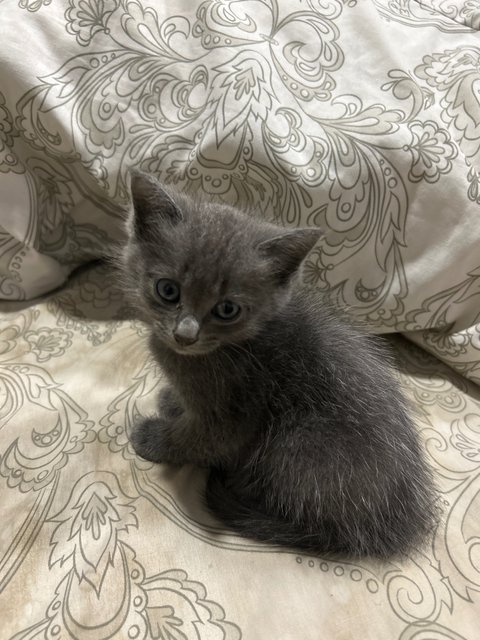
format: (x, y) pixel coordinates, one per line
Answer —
(149, 439)
(144, 440)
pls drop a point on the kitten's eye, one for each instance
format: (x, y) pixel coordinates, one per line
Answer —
(168, 290)
(226, 310)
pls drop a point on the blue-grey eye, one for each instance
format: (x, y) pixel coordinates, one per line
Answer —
(226, 310)
(167, 290)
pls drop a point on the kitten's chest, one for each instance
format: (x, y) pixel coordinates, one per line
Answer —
(227, 386)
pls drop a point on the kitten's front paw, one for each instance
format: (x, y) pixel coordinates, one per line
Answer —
(145, 441)
(149, 438)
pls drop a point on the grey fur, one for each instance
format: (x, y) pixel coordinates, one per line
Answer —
(295, 412)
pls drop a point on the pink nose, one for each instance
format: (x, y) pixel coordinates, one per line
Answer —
(186, 331)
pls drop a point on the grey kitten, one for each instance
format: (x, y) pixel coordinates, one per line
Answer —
(295, 412)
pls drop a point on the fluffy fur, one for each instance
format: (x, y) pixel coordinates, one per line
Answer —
(295, 413)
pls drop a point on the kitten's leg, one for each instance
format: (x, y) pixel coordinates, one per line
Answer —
(176, 436)
(173, 435)
(169, 403)
(173, 439)
(149, 438)
(154, 438)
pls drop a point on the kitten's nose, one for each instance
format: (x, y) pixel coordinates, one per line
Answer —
(186, 331)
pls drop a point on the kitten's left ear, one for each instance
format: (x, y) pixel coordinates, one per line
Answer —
(287, 251)
(152, 204)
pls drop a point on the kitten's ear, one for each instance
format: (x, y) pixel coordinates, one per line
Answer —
(151, 203)
(287, 251)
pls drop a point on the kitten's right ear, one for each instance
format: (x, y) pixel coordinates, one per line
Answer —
(286, 251)
(151, 203)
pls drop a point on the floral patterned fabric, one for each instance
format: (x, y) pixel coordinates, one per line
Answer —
(359, 116)
(99, 544)
(308, 112)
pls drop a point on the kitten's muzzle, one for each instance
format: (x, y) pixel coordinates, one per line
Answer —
(187, 330)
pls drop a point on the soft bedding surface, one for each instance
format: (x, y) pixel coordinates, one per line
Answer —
(359, 116)
(96, 543)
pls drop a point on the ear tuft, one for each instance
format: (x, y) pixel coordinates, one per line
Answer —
(287, 251)
(151, 203)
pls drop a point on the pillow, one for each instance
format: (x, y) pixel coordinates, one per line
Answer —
(308, 113)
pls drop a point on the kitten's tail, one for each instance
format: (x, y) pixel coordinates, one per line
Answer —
(380, 538)
(250, 522)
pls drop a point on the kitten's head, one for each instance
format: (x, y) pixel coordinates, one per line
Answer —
(205, 274)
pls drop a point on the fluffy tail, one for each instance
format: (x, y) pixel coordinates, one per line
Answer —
(380, 537)
(248, 520)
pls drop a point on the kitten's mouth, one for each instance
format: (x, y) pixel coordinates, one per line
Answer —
(195, 349)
